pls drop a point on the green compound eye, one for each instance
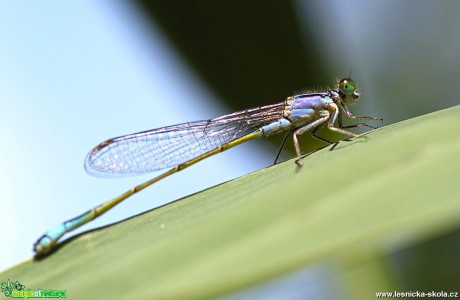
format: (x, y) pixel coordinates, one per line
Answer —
(347, 86)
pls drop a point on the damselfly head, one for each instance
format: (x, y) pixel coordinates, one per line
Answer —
(347, 88)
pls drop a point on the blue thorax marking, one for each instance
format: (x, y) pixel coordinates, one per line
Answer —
(305, 105)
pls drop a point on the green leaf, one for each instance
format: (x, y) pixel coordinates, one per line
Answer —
(350, 204)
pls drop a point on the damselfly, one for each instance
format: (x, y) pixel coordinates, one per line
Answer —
(180, 146)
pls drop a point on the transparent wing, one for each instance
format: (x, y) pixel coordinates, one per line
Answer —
(170, 146)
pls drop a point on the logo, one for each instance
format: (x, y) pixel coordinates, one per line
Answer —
(18, 290)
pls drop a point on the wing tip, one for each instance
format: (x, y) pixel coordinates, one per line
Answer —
(89, 165)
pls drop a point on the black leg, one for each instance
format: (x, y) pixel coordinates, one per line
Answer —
(314, 131)
(359, 125)
(282, 146)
